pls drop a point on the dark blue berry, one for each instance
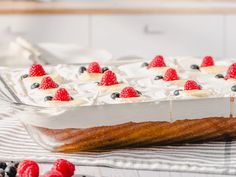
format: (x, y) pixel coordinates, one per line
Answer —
(195, 67)
(104, 69)
(139, 92)
(48, 98)
(158, 77)
(145, 64)
(233, 88)
(82, 69)
(176, 92)
(34, 85)
(3, 165)
(10, 171)
(219, 76)
(24, 76)
(71, 98)
(115, 95)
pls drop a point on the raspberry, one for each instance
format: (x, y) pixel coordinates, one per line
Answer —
(28, 168)
(231, 73)
(94, 67)
(207, 61)
(53, 173)
(191, 85)
(66, 168)
(158, 61)
(170, 75)
(129, 92)
(108, 78)
(47, 83)
(36, 70)
(62, 95)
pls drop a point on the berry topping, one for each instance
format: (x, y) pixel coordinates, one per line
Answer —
(82, 69)
(3, 165)
(53, 173)
(233, 88)
(158, 78)
(28, 168)
(191, 85)
(219, 76)
(24, 76)
(104, 69)
(194, 66)
(207, 61)
(129, 92)
(231, 73)
(66, 168)
(48, 98)
(94, 67)
(115, 95)
(36, 70)
(145, 64)
(176, 92)
(34, 85)
(62, 95)
(158, 61)
(171, 75)
(47, 83)
(10, 171)
(108, 78)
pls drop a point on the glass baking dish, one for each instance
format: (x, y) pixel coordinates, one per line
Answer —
(107, 127)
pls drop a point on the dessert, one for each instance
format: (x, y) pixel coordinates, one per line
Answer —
(93, 73)
(130, 106)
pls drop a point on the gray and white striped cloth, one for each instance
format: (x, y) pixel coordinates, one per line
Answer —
(217, 157)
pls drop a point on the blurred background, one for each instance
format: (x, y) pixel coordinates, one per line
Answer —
(121, 28)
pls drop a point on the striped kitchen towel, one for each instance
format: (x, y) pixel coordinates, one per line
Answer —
(217, 157)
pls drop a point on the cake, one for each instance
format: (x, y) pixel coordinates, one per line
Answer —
(161, 102)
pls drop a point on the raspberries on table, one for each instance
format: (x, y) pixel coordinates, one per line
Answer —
(94, 67)
(62, 95)
(207, 61)
(191, 85)
(36, 70)
(128, 92)
(158, 61)
(47, 83)
(108, 78)
(171, 75)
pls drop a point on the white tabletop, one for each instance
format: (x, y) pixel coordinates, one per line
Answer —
(85, 171)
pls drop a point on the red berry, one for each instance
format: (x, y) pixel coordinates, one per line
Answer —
(191, 85)
(47, 83)
(170, 75)
(36, 70)
(158, 61)
(28, 168)
(53, 173)
(94, 67)
(62, 95)
(231, 73)
(108, 78)
(128, 92)
(207, 61)
(66, 168)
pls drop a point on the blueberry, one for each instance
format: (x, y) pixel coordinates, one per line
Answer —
(176, 92)
(233, 88)
(82, 69)
(48, 98)
(219, 76)
(24, 76)
(158, 77)
(97, 83)
(194, 67)
(34, 85)
(3, 165)
(139, 92)
(115, 95)
(104, 69)
(2, 172)
(71, 98)
(145, 64)
(10, 171)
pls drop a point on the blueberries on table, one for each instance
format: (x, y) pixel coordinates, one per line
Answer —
(194, 67)
(158, 77)
(233, 88)
(82, 69)
(104, 69)
(219, 76)
(176, 92)
(48, 98)
(145, 64)
(34, 85)
(115, 95)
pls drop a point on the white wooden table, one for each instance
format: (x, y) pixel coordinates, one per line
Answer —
(85, 171)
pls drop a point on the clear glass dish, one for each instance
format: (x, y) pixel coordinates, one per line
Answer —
(107, 127)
